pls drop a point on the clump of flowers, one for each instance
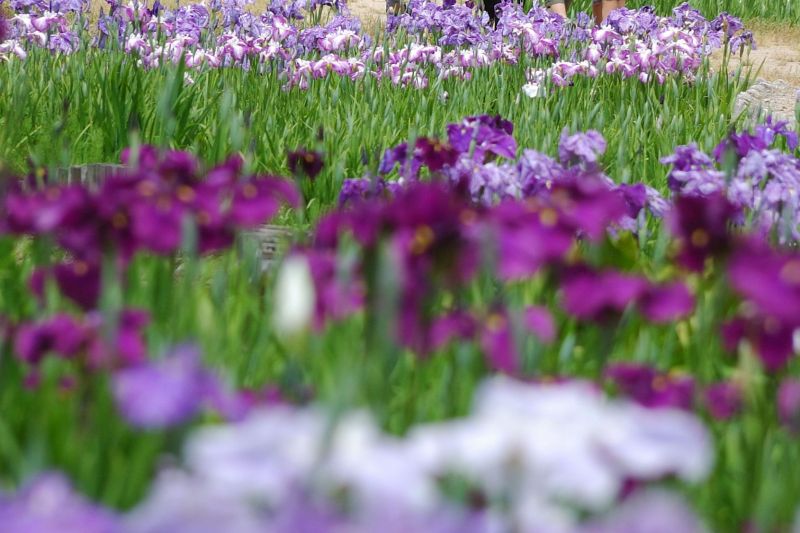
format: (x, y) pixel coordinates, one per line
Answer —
(446, 41)
(535, 455)
(145, 208)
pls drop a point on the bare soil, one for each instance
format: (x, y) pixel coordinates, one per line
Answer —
(776, 57)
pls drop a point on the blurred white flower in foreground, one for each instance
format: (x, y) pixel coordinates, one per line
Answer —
(530, 458)
(294, 298)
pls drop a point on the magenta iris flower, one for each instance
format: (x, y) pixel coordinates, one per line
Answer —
(769, 279)
(651, 388)
(60, 335)
(772, 340)
(600, 295)
(303, 162)
(701, 224)
(724, 400)
(666, 303)
(435, 154)
(501, 333)
(788, 402)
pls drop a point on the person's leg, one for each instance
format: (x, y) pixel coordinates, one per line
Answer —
(489, 6)
(597, 11)
(620, 4)
(559, 7)
(608, 7)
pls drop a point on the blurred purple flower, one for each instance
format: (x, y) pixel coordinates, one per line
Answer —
(358, 189)
(48, 504)
(650, 388)
(724, 399)
(394, 156)
(649, 511)
(788, 403)
(526, 239)
(701, 225)
(60, 335)
(434, 154)
(304, 162)
(769, 279)
(80, 282)
(4, 29)
(772, 341)
(581, 148)
(590, 206)
(126, 347)
(666, 303)
(163, 393)
(600, 295)
(454, 325)
(498, 335)
(258, 199)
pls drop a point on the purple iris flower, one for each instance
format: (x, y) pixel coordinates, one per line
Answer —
(772, 340)
(724, 399)
(158, 225)
(457, 324)
(498, 335)
(762, 138)
(80, 282)
(5, 32)
(256, 200)
(768, 279)
(727, 23)
(598, 295)
(666, 303)
(48, 505)
(126, 347)
(582, 149)
(163, 393)
(60, 335)
(434, 154)
(484, 136)
(359, 189)
(77, 280)
(693, 171)
(650, 388)
(392, 157)
(788, 402)
(635, 197)
(305, 162)
(526, 239)
(701, 225)
(587, 204)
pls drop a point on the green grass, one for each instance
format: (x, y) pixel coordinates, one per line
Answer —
(62, 111)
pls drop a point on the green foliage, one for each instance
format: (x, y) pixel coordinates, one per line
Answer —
(62, 111)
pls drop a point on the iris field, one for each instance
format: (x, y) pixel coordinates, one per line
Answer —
(528, 278)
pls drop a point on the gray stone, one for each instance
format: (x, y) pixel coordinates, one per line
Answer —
(273, 242)
(777, 98)
(90, 175)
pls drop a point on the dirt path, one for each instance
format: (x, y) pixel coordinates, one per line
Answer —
(371, 12)
(777, 54)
